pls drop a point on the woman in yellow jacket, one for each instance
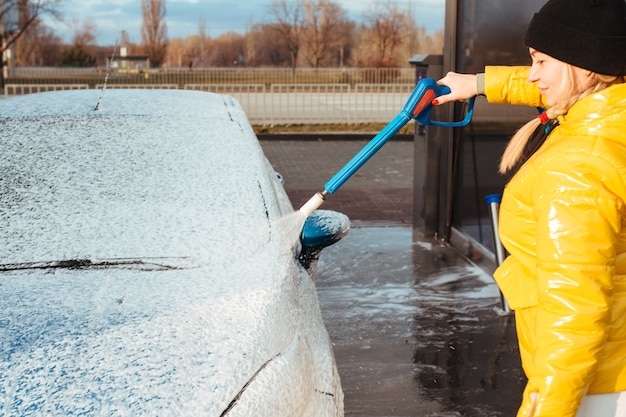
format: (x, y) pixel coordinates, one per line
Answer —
(563, 213)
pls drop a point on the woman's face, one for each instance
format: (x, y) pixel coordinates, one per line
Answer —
(548, 73)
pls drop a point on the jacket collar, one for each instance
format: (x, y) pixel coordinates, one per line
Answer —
(606, 103)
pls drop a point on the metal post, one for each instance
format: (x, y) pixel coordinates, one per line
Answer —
(427, 204)
(3, 54)
(493, 201)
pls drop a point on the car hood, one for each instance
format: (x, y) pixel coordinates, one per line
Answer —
(117, 339)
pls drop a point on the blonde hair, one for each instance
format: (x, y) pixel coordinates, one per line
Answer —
(569, 96)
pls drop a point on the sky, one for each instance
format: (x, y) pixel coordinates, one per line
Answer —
(110, 17)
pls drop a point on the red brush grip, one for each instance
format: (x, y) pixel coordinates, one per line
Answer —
(427, 99)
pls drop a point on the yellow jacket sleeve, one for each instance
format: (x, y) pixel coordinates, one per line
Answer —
(510, 85)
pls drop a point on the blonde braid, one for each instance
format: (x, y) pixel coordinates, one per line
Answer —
(515, 148)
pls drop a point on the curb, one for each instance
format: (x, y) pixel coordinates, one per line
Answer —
(328, 136)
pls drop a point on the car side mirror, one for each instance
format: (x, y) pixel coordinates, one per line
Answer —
(321, 229)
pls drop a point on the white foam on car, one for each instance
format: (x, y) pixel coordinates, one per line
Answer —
(123, 341)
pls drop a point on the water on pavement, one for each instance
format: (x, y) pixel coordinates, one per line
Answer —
(417, 329)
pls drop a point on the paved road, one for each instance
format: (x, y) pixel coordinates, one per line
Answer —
(381, 191)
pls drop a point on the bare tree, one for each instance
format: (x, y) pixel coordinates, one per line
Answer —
(227, 50)
(16, 17)
(346, 35)
(289, 15)
(85, 35)
(323, 19)
(264, 48)
(38, 46)
(177, 53)
(389, 28)
(191, 51)
(202, 42)
(154, 30)
(418, 40)
(83, 51)
(49, 47)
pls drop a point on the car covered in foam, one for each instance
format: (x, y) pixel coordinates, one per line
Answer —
(149, 263)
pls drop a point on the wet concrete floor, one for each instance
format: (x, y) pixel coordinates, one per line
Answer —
(417, 328)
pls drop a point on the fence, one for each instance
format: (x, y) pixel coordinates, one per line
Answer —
(182, 76)
(19, 89)
(271, 96)
(281, 104)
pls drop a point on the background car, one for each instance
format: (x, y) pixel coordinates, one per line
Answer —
(150, 263)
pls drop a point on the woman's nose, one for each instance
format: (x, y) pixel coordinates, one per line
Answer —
(533, 74)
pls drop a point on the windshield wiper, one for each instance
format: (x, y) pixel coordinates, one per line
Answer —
(130, 263)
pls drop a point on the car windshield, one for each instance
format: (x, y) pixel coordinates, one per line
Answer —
(104, 187)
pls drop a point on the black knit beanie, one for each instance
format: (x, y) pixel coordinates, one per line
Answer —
(589, 34)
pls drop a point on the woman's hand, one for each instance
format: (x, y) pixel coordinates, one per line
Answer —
(462, 87)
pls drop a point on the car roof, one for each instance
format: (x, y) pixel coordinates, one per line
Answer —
(119, 102)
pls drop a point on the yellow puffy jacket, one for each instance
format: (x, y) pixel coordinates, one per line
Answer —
(563, 222)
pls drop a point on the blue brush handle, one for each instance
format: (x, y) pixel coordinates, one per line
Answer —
(366, 153)
(417, 107)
